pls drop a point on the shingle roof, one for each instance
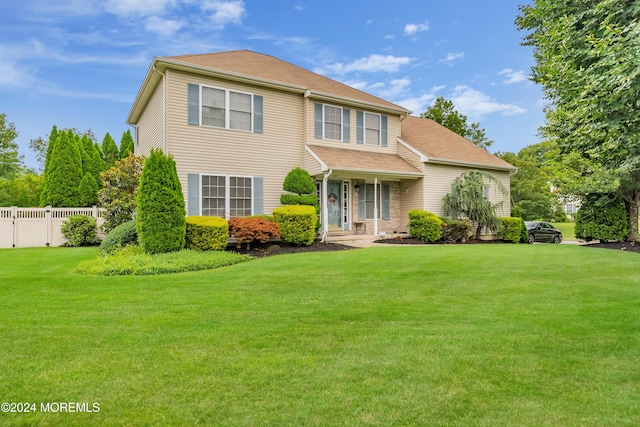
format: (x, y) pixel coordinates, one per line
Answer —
(363, 161)
(439, 144)
(267, 67)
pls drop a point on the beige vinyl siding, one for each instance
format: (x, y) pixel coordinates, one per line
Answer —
(411, 197)
(393, 129)
(150, 124)
(438, 180)
(270, 155)
(410, 156)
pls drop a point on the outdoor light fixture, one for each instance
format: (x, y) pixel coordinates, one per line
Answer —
(357, 186)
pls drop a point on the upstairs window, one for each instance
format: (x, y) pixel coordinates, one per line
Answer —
(224, 108)
(331, 122)
(371, 129)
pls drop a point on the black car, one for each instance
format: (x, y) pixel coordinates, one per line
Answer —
(540, 231)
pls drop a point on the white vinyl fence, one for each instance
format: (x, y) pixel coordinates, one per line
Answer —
(33, 227)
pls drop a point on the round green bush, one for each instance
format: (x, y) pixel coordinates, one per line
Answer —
(123, 235)
(425, 226)
(600, 218)
(206, 233)
(299, 181)
(79, 230)
(510, 229)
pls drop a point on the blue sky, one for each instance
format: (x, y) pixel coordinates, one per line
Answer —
(79, 63)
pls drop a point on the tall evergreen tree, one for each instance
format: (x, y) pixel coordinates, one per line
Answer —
(88, 191)
(160, 213)
(110, 150)
(126, 144)
(64, 174)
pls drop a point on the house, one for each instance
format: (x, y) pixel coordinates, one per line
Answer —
(237, 122)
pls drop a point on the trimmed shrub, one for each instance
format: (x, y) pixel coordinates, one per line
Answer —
(295, 199)
(252, 228)
(524, 233)
(600, 218)
(299, 181)
(160, 214)
(123, 235)
(456, 230)
(297, 224)
(425, 226)
(510, 229)
(79, 230)
(206, 233)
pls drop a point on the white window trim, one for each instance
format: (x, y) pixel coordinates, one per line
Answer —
(341, 123)
(227, 108)
(364, 127)
(377, 188)
(227, 192)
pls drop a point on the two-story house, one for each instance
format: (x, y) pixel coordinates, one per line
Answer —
(237, 122)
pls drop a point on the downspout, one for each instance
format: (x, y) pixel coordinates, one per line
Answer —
(164, 110)
(375, 206)
(323, 206)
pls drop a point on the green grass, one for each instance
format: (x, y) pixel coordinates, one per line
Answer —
(487, 335)
(567, 229)
(132, 260)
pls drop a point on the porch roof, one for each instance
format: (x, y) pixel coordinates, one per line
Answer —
(359, 161)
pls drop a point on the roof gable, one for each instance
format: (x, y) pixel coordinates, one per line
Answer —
(441, 145)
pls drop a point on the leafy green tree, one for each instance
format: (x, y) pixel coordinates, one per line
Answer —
(110, 150)
(64, 173)
(160, 212)
(444, 112)
(22, 191)
(88, 191)
(10, 160)
(467, 198)
(587, 63)
(119, 191)
(126, 144)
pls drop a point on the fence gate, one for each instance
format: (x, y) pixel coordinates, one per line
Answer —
(37, 227)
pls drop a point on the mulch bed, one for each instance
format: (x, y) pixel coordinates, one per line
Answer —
(619, 246)
(260, 250)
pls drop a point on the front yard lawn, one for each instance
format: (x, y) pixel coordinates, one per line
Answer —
(496, 335)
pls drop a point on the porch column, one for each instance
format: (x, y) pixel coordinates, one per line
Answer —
(324, 209)
(375, 206)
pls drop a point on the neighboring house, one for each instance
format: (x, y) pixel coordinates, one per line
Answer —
(237, 122)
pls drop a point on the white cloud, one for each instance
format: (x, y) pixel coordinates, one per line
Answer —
(138, 7)
(512, 76)
(451, 57)
(370, 64)
(392, 90)
(411, 29)
(225, 12)
(298, 7)
(162, 27)
(419, 104)
(476, 104)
